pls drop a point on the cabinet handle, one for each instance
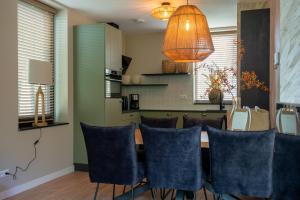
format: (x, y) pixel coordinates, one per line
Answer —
(204, 114)
(169, 115)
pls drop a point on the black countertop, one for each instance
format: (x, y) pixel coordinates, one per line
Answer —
(171, 110)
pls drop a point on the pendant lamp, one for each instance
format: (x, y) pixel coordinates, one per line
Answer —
(164, 11)
(187, 38)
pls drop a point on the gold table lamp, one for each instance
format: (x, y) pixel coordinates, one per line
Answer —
(40, 72)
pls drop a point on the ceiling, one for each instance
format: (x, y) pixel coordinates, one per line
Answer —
(219, 13)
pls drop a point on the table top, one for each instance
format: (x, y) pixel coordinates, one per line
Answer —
(204, 138)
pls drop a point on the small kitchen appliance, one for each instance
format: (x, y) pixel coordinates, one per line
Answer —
(134, 101)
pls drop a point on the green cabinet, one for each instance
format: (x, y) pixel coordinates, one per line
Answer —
(96, 46)
(195, 114)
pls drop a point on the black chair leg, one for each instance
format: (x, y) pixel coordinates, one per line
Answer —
(173, 191)
(124, 189)
(96, 192)
(153, 195)
(114, 188)
(214, 196)
(132, 194)
(205, 195)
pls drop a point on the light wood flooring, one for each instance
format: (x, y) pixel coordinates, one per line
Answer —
(77, 186)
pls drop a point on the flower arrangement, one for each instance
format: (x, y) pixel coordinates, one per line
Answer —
(249, 80)
(218, 79)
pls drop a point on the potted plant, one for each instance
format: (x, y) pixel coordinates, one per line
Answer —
(218, 82)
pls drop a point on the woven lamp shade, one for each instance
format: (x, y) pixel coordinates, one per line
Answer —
(187, 38)
(163, 12)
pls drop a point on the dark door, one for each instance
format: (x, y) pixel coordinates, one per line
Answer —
(255, 36)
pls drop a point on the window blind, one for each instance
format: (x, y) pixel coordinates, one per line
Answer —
(35, 41)
(225, 56)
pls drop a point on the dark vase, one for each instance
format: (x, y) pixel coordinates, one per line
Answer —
(215, 96)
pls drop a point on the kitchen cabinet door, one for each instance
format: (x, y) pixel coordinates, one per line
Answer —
(113, 48)
(113, 112)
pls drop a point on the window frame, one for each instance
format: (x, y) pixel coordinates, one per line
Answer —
(26, 121)
(207, 102)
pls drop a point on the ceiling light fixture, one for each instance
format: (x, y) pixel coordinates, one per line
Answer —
(163, 12)
(187, 38)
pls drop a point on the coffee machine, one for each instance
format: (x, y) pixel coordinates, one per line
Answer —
(134, 101)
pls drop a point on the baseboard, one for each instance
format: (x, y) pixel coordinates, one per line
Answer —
(81, 167)
(34, 183)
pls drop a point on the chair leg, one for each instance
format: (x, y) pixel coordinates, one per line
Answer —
(132, 194)
(96, 192)
(153, 195)
(114, 188)
(172, 194)
(214, 196)
(124, 189)
(205, 195)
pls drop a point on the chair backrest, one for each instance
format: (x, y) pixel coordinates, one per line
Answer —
(241, 162)
(159, 122)
(111, 154)
(241, 119)
(287, 121)
(286, 170)
(173, 158)
(189, 122)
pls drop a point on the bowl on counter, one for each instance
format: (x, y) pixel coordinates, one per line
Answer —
(126, 79)
(136, 79)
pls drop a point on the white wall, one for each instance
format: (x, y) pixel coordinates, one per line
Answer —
(55, 150)
(290, 51)
(145, 50)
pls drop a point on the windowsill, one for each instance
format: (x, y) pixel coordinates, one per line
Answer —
(49, 125)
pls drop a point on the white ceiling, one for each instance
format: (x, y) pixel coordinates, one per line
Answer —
(219, 13)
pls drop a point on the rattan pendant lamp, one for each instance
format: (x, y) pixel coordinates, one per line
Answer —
(187, 38)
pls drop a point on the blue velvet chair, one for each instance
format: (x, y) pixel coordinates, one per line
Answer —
(172, 158)
(112, 157)
(159, 122)
(241, 162)
(286, 170)
(189, 122)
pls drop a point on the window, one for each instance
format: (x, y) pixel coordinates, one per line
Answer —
(35, 41)
(225, 55)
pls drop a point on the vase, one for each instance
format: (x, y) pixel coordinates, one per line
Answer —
(215, 96)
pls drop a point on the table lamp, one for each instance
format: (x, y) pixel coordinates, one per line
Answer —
(40, 72)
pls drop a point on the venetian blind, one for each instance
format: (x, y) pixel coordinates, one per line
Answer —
(225, 55)
(35, 41)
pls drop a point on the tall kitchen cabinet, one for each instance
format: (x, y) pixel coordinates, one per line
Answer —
(96, 47)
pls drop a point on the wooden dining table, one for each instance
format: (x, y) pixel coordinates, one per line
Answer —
(204, 138)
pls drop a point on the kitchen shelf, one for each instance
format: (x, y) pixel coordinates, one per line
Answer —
(128, 85)
(166, 74)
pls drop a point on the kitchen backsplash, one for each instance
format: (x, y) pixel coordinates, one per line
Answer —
(178, 95)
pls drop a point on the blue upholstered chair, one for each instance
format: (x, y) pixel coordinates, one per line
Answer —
(159, 122)
(172, 158)
(241, 162)
(112, 156)
(189, 122)
(286, 170)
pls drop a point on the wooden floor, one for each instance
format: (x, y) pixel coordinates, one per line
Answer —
(76, 186)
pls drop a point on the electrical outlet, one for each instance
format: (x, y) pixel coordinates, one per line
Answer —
(183, 96)
(3, 173)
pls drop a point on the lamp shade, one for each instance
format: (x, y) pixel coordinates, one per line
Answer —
(187, 38)
(40, 72)
(163, 12)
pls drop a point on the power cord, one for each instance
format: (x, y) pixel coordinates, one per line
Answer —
(14, 175)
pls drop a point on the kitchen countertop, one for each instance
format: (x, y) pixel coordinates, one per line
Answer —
(187, 110)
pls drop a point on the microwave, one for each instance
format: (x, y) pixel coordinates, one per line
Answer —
(113, 84)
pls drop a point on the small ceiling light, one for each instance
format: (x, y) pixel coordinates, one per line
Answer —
(187, 38)
(163, 12)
